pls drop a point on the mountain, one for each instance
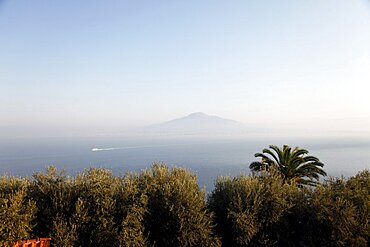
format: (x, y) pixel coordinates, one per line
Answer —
(197, 124)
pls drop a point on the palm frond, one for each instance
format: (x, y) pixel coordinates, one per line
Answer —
(294, 165)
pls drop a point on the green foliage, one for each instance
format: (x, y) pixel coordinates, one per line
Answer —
(334, 214)
(358, 189)
(294, 165)
(92, 209)
(96, 192)
(16, 211)
(113, 211)
(64, 232)
(165, 207)
(177, 214)
(55, 198)
(131, 206)
(343, 210)
(248, 207)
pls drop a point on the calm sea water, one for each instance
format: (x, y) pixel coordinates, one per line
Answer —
(207, 158)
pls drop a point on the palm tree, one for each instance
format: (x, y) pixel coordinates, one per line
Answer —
(294, 165)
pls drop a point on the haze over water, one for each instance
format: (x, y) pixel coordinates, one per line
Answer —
(208, 158)
(76, 68)
(78, 75)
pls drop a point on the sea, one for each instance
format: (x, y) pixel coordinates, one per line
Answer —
(206, 157)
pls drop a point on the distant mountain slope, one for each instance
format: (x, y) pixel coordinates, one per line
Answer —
(197, 123)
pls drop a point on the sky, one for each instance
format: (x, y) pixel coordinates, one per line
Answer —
(77, 67)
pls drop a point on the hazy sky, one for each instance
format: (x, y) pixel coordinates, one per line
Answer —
(87, 67)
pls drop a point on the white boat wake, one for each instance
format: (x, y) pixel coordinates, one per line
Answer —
(131, 147)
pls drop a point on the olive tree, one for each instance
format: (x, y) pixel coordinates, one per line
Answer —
(16, 211)
(247, 208)
(177, 213)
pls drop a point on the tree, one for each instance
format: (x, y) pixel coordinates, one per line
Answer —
(56, 200)
(93, 208)
(177, 213)
(336, 213)
(16, 210)
(294, 165)
(112, 209)
(247, 208)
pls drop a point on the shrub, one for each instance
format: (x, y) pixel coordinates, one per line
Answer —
(93, 208)
(55, 198)
(247, 208)
(165, 207)
(359, 195)
(177, 214)
(343, 211)
(16, 211)
(334, 214)
(113, 209)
